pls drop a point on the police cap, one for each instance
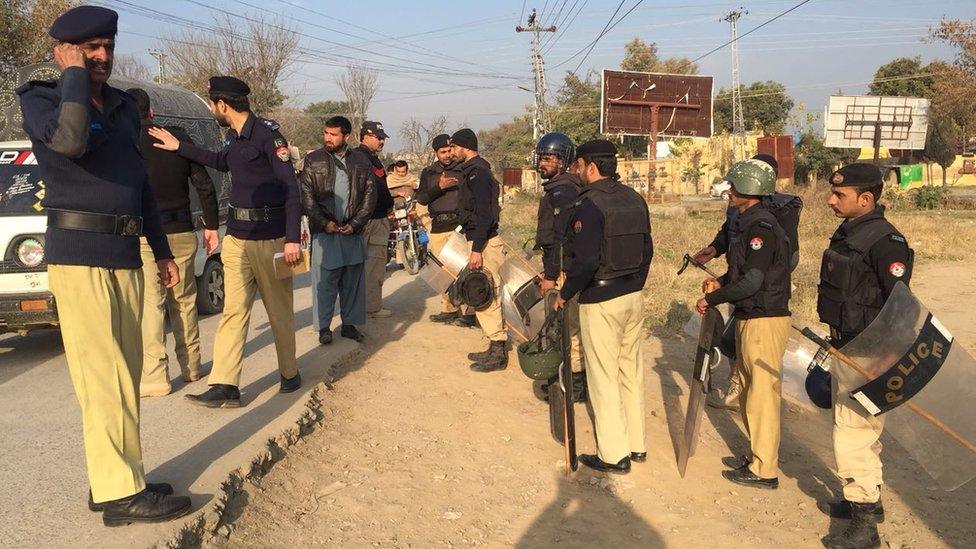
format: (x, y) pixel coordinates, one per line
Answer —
(859, 174)
(84, 22)
(373, 128)
(441, 141)
(596, 147)
(228, 86)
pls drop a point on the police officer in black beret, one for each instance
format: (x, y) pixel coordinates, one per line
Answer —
(264, 219)
(85, 135)
(866, 258)
(611, 251)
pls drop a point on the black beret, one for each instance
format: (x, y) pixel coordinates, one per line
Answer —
(84, 22)
(441, 141)
(859, 174)
(229, 86)
(596, 147)
(465, 137)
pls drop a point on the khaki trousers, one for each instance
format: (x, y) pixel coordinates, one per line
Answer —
(611, 333)
(571, 318)
(99, 310)
(181, 303)
(249, 267)
(377, 236)
(857, 446)
(760, 344)
(490, 318)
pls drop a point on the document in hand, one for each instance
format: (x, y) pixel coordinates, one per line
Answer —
(284, 270)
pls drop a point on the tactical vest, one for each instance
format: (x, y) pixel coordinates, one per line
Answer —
(849, 295)
(626, 225)
(773, 297)
(562, 239)
(447, 202)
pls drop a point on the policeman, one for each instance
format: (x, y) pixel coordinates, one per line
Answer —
(168, 176)
(264, 219)
(478, 211)
(786, 208)
(867, 256)
(84, 134)
(611, 252)
(438, 191)
(757, 284)
(372, 137)
(553, 156)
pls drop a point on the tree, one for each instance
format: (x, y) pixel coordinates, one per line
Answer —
(892, 79)
(576, 111)
(509, 144)
(359, 85)
(941, 142)
(24, 40)
(812, 158)
(324, 110)
(258, 52)
(417, 138)
(129, 66)
(642, 56)
(765, 107)
(955, 84)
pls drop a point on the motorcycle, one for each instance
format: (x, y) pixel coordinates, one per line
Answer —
(408, 242)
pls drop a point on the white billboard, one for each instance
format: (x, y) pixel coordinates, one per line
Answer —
(853, 122)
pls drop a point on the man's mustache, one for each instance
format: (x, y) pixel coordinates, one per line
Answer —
(93, 64)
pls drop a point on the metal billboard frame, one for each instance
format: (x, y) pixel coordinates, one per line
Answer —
(875, 121)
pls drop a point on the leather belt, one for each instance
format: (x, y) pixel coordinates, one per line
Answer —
(265, 214)
(606, 282)
(174, 216)
(445, 217)
(124, 225)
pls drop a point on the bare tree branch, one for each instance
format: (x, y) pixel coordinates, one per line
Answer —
(129, 66)
(359, 85)
(417, 137)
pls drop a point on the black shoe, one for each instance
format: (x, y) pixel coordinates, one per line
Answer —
(444, 318)
(496, 360)
(482, 355)
(466, 321)
(290, 385)
(325, 336)
(736, 462)
(580, 394)
(639, 457)
(218, 396)
(145, 506)
(861, 533)
(844, 510)
(350, 332)
(597, 464)
(745, 477)
(160, 488)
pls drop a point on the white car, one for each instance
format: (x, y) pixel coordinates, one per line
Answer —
(720, 190)
(26, 302)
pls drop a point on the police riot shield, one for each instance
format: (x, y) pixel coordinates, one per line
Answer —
(800, 357)
(707, 356)
(445, 262)
(522, 304)
(907, 366)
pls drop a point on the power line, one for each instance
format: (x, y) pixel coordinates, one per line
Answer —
(747, 33)
(552, 40)
(595, 40)
(605, 31)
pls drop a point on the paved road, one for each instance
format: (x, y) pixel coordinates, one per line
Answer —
(42, 503)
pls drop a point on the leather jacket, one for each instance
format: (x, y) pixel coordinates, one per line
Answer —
(317, 183)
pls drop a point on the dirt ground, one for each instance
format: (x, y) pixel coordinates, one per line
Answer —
(418, 451)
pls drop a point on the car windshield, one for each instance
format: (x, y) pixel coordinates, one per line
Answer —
(21, 188)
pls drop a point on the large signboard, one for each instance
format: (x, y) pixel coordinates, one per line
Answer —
(871, 121)
(680, 105)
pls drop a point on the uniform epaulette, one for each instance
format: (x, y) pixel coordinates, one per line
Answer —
(897, 238)
(36, 83)
(270, 123)
(766, 225)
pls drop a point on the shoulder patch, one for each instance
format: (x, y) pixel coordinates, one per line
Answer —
(577, 226)
(279, 141)
(756, 243)
(283, 154)
(269, 123)
(897, 269)
(897, 238)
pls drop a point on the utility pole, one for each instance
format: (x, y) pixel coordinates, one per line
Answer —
(540, 116)
(160, 65)
(738, 122)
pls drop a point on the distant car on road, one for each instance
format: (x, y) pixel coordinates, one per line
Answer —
(720, 190)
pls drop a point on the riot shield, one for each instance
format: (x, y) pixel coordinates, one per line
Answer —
(801, 355)
(444, 264)
(706, 355)
(522, 306)
(922, 380)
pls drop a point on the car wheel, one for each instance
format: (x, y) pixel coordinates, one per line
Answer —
(210, 288)
(725, 195)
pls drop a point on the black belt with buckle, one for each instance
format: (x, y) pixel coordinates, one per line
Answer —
(175, 216)
(605, 282)
(124, 225)
(444, 217)
(265, 214)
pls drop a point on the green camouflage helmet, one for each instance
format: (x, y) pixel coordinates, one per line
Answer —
(752, 177)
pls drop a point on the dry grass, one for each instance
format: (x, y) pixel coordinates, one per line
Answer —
(936, 235)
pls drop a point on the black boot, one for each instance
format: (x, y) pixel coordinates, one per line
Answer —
(289, 385)
(843, 510)
(160, 488)
(465, 321)
(444, 318)
(861, 533)
(594, 462)
(145, 506)
(481, 355)
(497, 358)
(325, 336)
(218, 396)
(351, 332)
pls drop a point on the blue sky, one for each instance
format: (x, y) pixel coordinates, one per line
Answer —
(465, 60)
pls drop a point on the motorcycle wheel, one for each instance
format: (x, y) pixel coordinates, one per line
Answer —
(410, 254)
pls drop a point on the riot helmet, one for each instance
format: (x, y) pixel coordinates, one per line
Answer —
(558, 144)
(752, 178)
